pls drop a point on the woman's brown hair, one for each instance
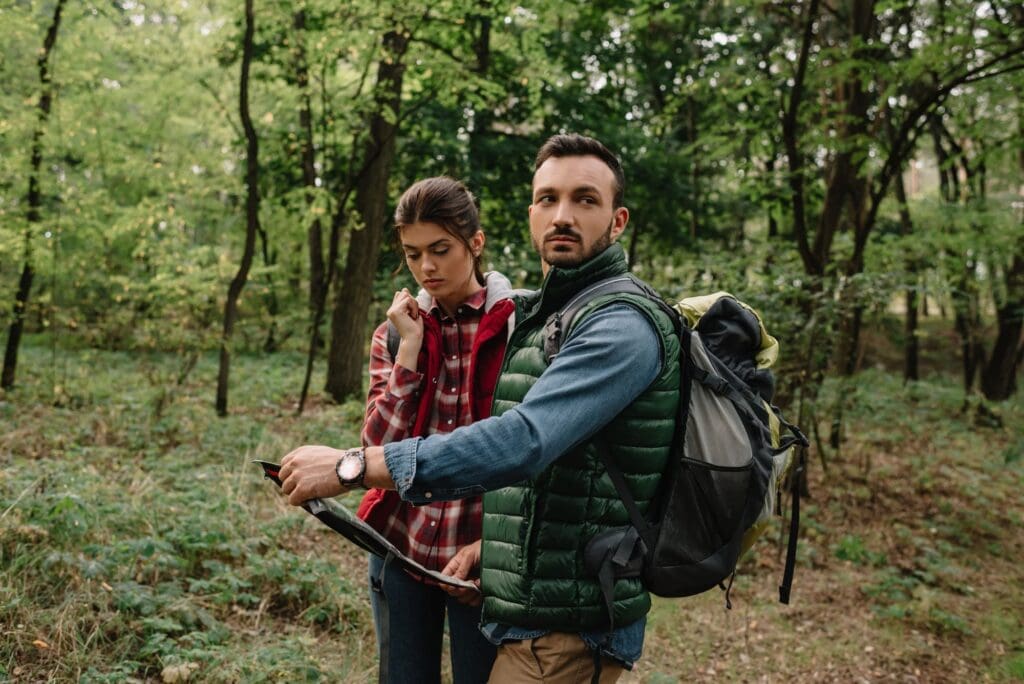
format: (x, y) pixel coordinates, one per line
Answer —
(446, 202)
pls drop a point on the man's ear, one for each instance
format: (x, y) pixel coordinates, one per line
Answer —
(620, 217)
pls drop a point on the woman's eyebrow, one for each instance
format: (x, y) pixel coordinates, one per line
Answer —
(443, 241)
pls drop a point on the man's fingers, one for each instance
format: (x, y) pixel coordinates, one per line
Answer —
(296, 498)
(286, 467)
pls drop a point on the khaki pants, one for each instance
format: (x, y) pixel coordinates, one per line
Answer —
(554, 658)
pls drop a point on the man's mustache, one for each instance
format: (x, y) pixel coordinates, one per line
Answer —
(562, 231)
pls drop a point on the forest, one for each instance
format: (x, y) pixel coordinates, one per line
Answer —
(196, 206)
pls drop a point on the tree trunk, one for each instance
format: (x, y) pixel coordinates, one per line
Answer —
(351, 309)
(318, 282)
(773, 221)
(791, 139)
(34, 202)
(252, 208)
(270, 342)
(911, 348)
(965, 308)
(317, 273)
(999, 377)
(483, 117)
(847, 189)
(691, 128)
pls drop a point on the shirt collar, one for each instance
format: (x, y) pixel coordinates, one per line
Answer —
(475, 304)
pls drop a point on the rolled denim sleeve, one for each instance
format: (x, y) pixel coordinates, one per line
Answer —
(606, 363)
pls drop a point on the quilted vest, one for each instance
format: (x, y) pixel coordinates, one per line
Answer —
(534, 532)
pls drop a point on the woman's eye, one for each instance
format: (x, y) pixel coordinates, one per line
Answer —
(440, 252)
(411, 257)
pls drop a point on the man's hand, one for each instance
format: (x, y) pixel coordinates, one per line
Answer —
(465, 565)
(309, 473)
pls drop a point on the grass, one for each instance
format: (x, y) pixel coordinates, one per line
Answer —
(137, 543)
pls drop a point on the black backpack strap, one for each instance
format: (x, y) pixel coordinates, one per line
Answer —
(791, 552)
(560, 321)
(394, 339)
(641, 525)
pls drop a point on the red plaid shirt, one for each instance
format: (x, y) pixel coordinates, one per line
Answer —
(433, 533)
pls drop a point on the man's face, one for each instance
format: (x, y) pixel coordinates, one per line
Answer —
(571, 217)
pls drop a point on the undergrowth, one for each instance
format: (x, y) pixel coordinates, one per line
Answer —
(137, 542)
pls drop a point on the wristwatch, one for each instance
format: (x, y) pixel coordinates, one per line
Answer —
(351, 468)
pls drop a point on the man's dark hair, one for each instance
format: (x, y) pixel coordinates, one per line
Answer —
(575, 145)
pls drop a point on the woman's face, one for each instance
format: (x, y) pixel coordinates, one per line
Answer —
(440, 262)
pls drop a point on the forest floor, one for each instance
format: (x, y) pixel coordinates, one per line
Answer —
(137, 542)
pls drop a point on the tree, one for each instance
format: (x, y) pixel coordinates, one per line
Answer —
(33, 201)
(348, 323)
(252, 208)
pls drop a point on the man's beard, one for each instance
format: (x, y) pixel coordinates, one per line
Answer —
(571, 259)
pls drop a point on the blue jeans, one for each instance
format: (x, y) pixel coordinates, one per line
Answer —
(414, 613)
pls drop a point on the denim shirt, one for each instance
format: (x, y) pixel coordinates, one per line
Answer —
(610, 358)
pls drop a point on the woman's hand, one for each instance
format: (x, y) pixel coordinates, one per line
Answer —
(465, 565)
(404, 314)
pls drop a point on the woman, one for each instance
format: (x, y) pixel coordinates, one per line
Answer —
(442, 375)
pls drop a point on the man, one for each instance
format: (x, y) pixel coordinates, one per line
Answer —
(612, 388)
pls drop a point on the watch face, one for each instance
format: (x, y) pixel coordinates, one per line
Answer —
(348, 469)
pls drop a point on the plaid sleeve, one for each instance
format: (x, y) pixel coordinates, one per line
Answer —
(394, 393)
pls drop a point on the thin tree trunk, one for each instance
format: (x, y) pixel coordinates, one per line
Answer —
(482, 116)
(252, 208)
(791, 139)
(773, 221)
(351, 309)
(34, 202)
(633, 239)
(270, 343)
(317, 275)
(911, 348)
(318, 282)
(691, 128)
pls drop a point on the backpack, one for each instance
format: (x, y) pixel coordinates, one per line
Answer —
(732, 449)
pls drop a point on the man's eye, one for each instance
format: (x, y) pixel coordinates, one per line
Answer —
(545, 199)
(588, 200)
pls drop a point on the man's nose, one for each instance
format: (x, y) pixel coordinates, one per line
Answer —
(563, 214)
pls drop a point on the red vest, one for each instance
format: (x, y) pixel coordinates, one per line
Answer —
(484, 366)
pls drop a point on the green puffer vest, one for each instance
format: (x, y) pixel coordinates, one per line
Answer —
(534, 532)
